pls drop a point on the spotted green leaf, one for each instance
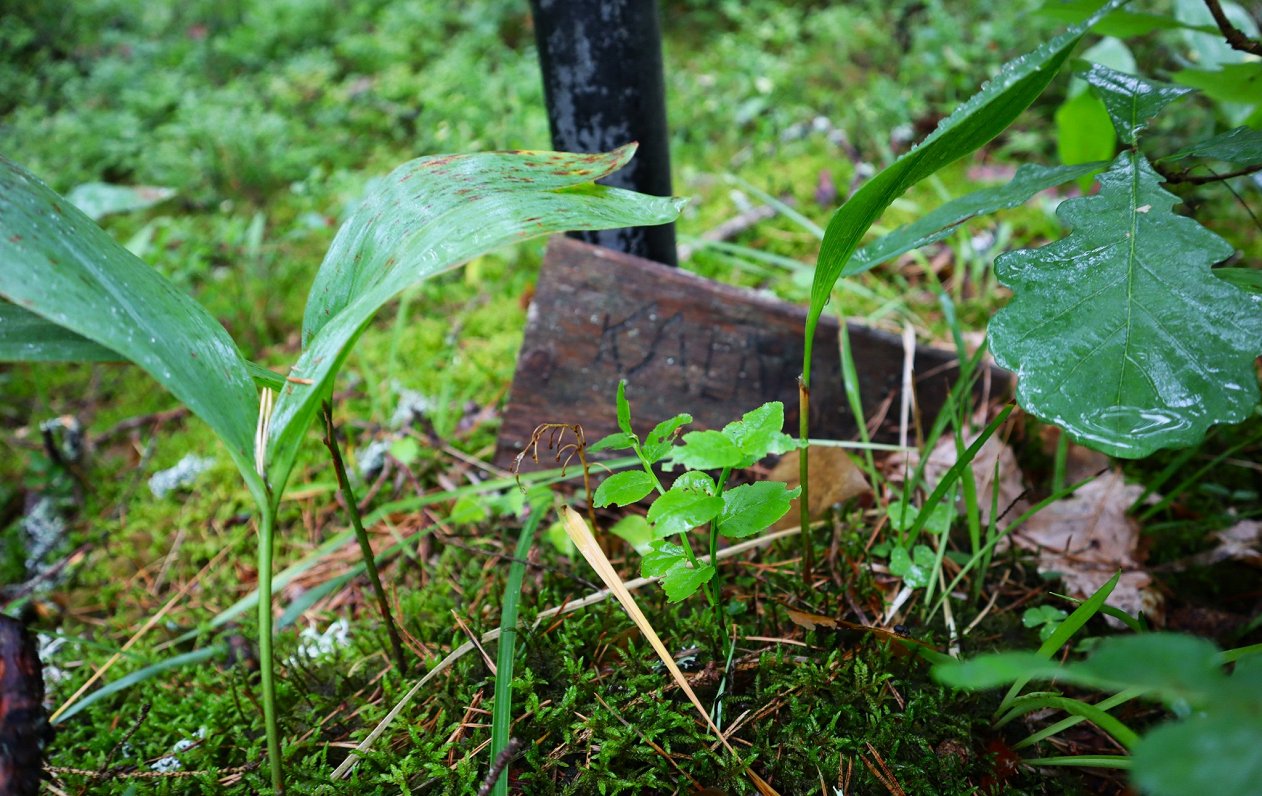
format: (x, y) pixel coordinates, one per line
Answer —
(429, 216)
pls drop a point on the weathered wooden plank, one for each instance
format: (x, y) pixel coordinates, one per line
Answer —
(686, 344)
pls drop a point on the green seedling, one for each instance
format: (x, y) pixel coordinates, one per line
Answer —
(1045, 617)
(74, 294)
(696, 498)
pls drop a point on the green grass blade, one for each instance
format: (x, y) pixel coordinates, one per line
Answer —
(502, 711)
(1063, 633)
(1092, 713)
(1119, 698)
(139, 676)
(976, 122)
(429, 216)
(943, 221)
(1082, 761)
(58, 264)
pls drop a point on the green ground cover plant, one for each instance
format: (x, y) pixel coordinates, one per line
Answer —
(257, 125)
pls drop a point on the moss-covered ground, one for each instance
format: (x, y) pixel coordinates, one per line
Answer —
(267, 119)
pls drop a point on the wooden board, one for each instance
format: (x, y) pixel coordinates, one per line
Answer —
(686, 344)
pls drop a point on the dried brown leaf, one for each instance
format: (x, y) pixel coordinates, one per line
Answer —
(1088, 537)
(834, 479)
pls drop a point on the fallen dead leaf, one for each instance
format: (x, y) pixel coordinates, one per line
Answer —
(834, 479)
(943, 457)
(1240, 542)
(1088, 537)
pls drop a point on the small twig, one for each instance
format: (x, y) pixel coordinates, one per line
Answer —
(497, 767)
(370, 562)
(727, 230)
(1236, 37)
(1184, 178)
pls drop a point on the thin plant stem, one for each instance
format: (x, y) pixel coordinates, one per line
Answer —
(370, 563)
(804, 434)
(502, 710)
(267, 525)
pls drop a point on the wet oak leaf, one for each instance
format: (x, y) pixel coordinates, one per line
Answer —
(1119, 333)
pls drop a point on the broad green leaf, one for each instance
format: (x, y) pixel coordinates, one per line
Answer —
(1170, 666)
(98, 199)
(758, 433)
(635, 531)
(56, 263)
(662, 438)
(916, 568)
(679, 578)
(1209, 51)
(617, 441)
(752, 508)
(1245, 278)
(679, 511)
(706, 450)
(1214, 752)
(939, 223)
(977, 121)
(1131, 101)
(1242, 146)
(622, 489)
(429, 216)
(1123, 24)
(1120, 333)
(623, 407)
(1234, 83)
(27, 337)
(992, 671)
(1084, 134)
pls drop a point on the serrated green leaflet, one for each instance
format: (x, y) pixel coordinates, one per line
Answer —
(707, 450)
(617, 441)
(1120, 333)
(426, 217)
(752, 508)
(759, 433)
(623, 407)
(1131, 101)
(679, 511)
(662, 438)
(1242, 146)
(57, 263)
(621, 489)
(670, 563)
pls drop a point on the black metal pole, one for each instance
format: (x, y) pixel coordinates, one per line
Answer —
(603, 82)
